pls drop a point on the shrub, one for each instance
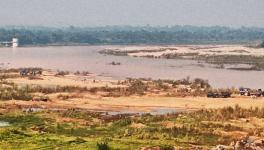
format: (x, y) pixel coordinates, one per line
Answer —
(137, 87)
(62, 73)
(103, 146)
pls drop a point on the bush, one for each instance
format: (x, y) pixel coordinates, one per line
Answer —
(62, 73)
(137, 87)
(103, 146)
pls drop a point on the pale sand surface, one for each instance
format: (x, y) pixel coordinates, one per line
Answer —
(187, 102)
(145, 104)
(190, 49)
(49, 79)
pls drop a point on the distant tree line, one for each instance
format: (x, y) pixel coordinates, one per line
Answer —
(132, 35)
(262, 44)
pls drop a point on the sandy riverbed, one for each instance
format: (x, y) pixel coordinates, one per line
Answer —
(50, 79)
(202, 50)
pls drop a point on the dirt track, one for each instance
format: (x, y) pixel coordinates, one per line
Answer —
(143, 104)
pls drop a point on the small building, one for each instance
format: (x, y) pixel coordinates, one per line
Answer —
(14, 42)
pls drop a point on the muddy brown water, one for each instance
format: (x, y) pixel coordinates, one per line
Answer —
(87, 58)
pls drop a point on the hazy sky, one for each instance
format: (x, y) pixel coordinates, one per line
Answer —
(132, 12)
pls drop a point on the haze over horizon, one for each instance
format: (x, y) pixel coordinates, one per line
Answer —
(90, 13)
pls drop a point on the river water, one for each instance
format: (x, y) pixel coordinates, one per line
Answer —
(87, 58)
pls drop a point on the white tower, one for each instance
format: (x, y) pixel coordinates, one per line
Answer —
(15, 42)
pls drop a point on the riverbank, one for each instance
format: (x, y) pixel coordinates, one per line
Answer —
(133, 95)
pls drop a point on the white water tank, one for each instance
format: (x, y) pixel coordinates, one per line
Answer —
(15, 42)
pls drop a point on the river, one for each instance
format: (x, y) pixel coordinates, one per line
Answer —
(87, 58)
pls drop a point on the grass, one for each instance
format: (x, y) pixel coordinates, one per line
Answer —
(9, 91)
(139, 87)
(46, 130)
(184, 87)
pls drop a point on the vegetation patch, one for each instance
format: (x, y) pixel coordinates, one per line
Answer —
(203, 128)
